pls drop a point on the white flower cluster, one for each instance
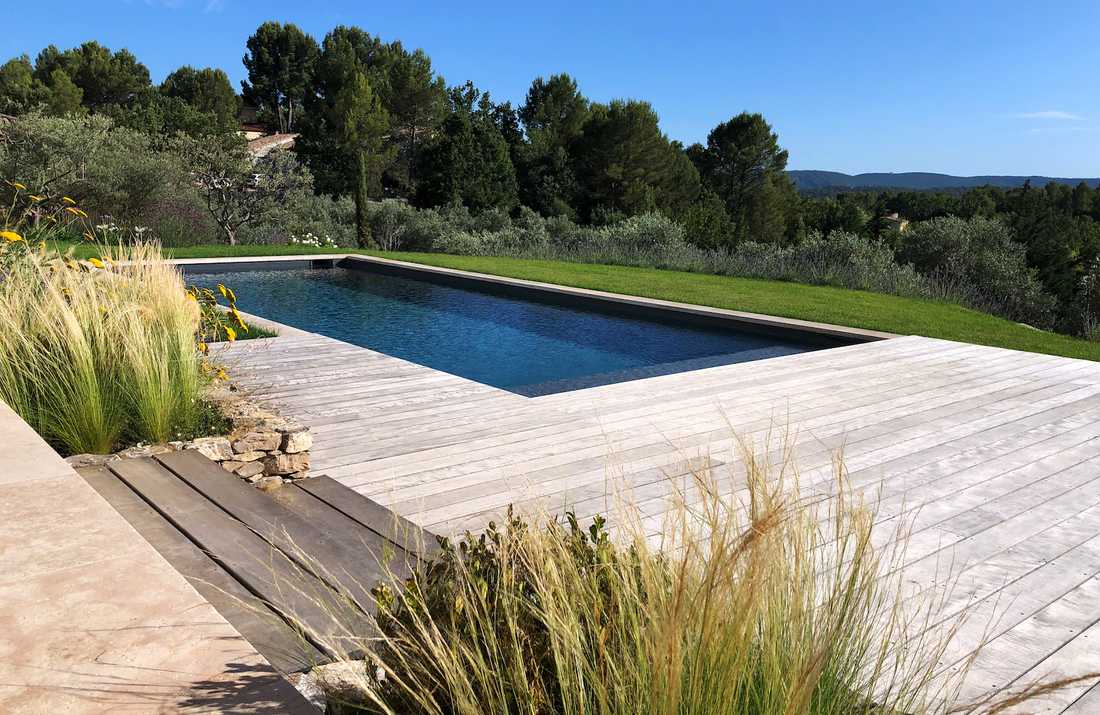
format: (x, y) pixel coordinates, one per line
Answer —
(310, 240)
(112, 227)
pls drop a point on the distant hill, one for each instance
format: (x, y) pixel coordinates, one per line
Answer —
(809, 180)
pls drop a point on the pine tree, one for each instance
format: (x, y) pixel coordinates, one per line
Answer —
(364, 127)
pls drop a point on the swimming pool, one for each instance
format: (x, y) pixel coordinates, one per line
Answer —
(528, 343)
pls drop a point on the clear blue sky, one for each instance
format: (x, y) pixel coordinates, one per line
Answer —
(962, 87)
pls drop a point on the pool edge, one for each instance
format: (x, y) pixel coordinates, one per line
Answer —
(757, 320)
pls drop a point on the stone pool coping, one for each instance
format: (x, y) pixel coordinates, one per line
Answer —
(743, 318)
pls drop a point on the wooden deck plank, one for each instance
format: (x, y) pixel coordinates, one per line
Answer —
(347, 558)
(263, 569)
(372, 515)
(282, 645)
(990, 452)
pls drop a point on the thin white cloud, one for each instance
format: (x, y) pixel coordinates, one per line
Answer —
(214, 6)
(1051, 114)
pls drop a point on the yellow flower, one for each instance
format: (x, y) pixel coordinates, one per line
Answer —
(10, 236)
(202, 347)
(35, 197)
(76, 212)
(230, 333)
(96, 262)
(222, 374)
(17, 185)
(67, 200)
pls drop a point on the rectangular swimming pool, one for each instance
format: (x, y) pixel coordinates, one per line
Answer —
(525, 342)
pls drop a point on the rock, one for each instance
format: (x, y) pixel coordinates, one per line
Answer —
(249, 469)
(269, 484)
(232, 465)
(145, 450)
(280, 464)
(216, 448)
(257, 441)
(90, 460)
(297, 475)
(344, 680)
(296, 439)
(249, 456)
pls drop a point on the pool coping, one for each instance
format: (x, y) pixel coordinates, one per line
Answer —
(756, 320)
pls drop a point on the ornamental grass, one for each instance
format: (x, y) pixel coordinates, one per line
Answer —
(745, 597)
(97, 354)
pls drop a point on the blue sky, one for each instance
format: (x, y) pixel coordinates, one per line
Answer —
(963, 87)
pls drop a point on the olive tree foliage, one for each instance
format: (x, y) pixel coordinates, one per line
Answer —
(280, 63)
(236, 187)
(983, 256)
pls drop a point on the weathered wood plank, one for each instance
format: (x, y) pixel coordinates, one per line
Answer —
(254, 562)
(283, 646)
(347, 559)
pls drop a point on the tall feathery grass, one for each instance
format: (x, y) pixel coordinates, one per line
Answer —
(95, 356)
(745, 597)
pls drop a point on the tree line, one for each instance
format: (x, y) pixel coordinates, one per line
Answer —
(377, 121)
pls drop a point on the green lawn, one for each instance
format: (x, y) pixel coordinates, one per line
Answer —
(840, 306)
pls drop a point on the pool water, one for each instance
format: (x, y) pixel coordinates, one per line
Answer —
(518, 344)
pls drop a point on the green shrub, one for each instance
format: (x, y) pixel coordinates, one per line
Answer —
(304, 212)
(979, 258)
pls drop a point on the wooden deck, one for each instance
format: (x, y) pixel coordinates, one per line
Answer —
(291, 570)
(994, 454)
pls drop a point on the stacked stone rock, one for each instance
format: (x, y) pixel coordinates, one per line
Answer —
(263, 455)
(262, 447)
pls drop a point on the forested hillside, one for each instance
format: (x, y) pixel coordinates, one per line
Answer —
(391, 154)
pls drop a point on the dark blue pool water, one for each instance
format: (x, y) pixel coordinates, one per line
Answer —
(522, 345)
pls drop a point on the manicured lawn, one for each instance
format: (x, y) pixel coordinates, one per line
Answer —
(840, 306)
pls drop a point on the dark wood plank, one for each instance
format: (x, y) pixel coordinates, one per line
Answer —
(263, 569)
(348, 561)
(396, 560)
(373, 515)
(268, 633)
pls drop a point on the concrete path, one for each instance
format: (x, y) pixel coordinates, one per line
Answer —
(93, 620)
(994, 454)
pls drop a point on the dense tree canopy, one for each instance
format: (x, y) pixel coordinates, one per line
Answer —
(104, 77)
(280, 62)
(468, 161)
(744, 166)
(625, 164)
(364, 125)
(206, 90)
